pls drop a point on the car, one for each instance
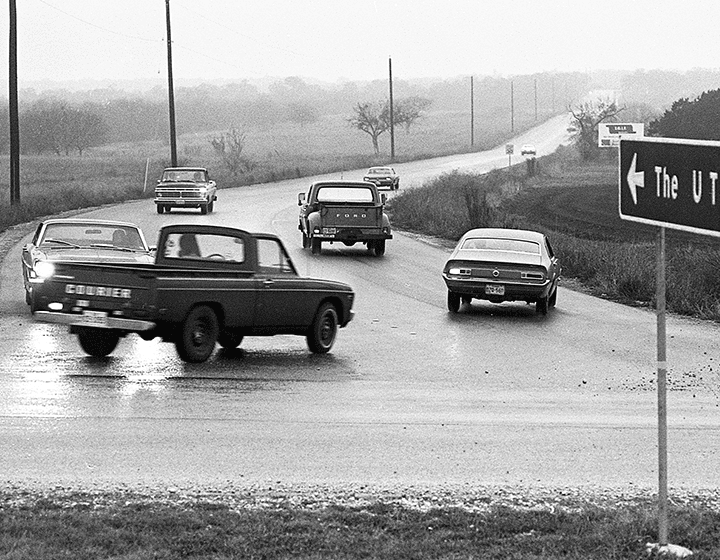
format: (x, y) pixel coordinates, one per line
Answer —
(528, 150)
(383, 177)
(80, 240)
(499, 265)
(185, 187)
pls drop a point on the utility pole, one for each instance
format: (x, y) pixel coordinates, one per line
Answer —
(13, 111)
(535, 98)
(512, 106)
(472, 113)
(392, 117)
(171, 94)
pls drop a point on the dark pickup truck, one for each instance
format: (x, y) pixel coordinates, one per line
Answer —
(208, 284)
(348, 212)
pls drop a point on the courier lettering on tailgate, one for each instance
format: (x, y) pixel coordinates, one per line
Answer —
(102, 291)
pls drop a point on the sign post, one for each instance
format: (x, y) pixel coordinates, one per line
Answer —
(509, 149)
(670, 183)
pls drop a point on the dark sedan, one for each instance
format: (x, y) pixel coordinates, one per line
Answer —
(500, 265)
(80, 240)
(383, 177)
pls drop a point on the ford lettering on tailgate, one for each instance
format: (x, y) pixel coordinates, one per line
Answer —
(100, 291)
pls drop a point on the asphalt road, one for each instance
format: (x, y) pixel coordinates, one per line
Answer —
(409, 395)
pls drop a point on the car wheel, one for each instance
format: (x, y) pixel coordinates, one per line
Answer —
(541, 306)
(211, 206)
(323, 330)
(28, 298)
(453, 302)
(305, 241)
(198, 335)
(98, 342)
(552, 302)
(230, 340)
(466, 300)
(160, 209)
(204, 209)
(397, 185)
(315, 246)
(379, 247)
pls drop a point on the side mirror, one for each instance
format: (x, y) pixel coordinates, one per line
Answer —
(301, 198)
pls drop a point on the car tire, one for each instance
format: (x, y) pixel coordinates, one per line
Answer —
(204, 209)
(541, 305)
(453, 302)
(198, 335)
(305, 241)
(378, 247)
(230, 340)
(28, 298)
(552, 302)
(211, 207)
(322, 332)
(97, 342)
(160, 209)
(315, 245)
(466, 300)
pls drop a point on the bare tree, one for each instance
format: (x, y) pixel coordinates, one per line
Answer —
(587, 117)
(373, 119)
(407, 111)
(229, 147)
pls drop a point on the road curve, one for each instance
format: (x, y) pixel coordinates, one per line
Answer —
(409, 395)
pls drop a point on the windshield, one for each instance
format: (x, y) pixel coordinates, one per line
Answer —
(379, 171)
(92, 235)
(494, 244)
(344, 194)
(193, 175)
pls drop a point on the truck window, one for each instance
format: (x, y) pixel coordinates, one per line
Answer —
(202, 246)
(272, 258)
(344, 194)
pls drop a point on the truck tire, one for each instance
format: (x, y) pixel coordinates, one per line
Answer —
(211, 207)
(160, 209)
(305, 241)
(378, 247)
(204, 209)
(198, 334)
(97, 342)
(315, 245)
(230, 340)
(322, 332)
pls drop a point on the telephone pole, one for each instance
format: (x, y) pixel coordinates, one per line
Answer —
(472, 113)
(171, 94)
(13, 111)
(392, 118)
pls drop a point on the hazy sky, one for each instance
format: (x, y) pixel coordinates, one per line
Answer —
(63, 40)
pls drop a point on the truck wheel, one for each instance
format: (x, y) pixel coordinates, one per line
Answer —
(323, 330)
(305, 241)
(198, 335)
(97, 342)
(211, 207)
(230, 340)
(204, 209)
(379, 247)
(160, 209)
(315, 245)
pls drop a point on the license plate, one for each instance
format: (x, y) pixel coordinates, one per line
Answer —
(179, 202)
(495, 290)
(94, 318)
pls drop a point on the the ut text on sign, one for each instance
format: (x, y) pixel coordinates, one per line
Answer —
(671, 182)
(609, 134)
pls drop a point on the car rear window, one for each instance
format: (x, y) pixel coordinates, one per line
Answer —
(494, 244)
(344, 194)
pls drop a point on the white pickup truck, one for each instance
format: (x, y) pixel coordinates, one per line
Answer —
(185, 187)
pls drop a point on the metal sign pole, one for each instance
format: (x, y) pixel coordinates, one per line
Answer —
(662, 393)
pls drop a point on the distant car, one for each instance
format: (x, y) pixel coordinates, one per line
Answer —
(185, 187)
(528, 150)
(502, 265)
(383, 177)
(80, 240)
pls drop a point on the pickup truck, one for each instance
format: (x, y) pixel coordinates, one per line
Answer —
(348, 212)
(208, 284)
(185, 187)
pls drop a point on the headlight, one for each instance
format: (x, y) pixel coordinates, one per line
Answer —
(203, 190)
(44, 269)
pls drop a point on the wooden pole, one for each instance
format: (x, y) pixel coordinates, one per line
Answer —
(392, 118)
(662, 393)
(13, 111)
(171, 94)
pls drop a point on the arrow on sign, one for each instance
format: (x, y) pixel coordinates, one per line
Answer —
(635, 179)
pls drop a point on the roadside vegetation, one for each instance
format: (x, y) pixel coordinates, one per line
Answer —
(501, 525)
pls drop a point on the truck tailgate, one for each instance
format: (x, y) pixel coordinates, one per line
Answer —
(360, 216)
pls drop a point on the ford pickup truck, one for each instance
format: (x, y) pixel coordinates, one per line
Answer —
(208, 285)
(347, 212)
(185, 187)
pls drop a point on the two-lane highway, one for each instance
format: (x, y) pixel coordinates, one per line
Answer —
(410, 394)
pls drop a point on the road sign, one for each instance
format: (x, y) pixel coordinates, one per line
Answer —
(509, 149)
(609, 134)
(671, 183)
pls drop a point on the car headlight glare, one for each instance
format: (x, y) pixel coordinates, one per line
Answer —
(44, 269)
